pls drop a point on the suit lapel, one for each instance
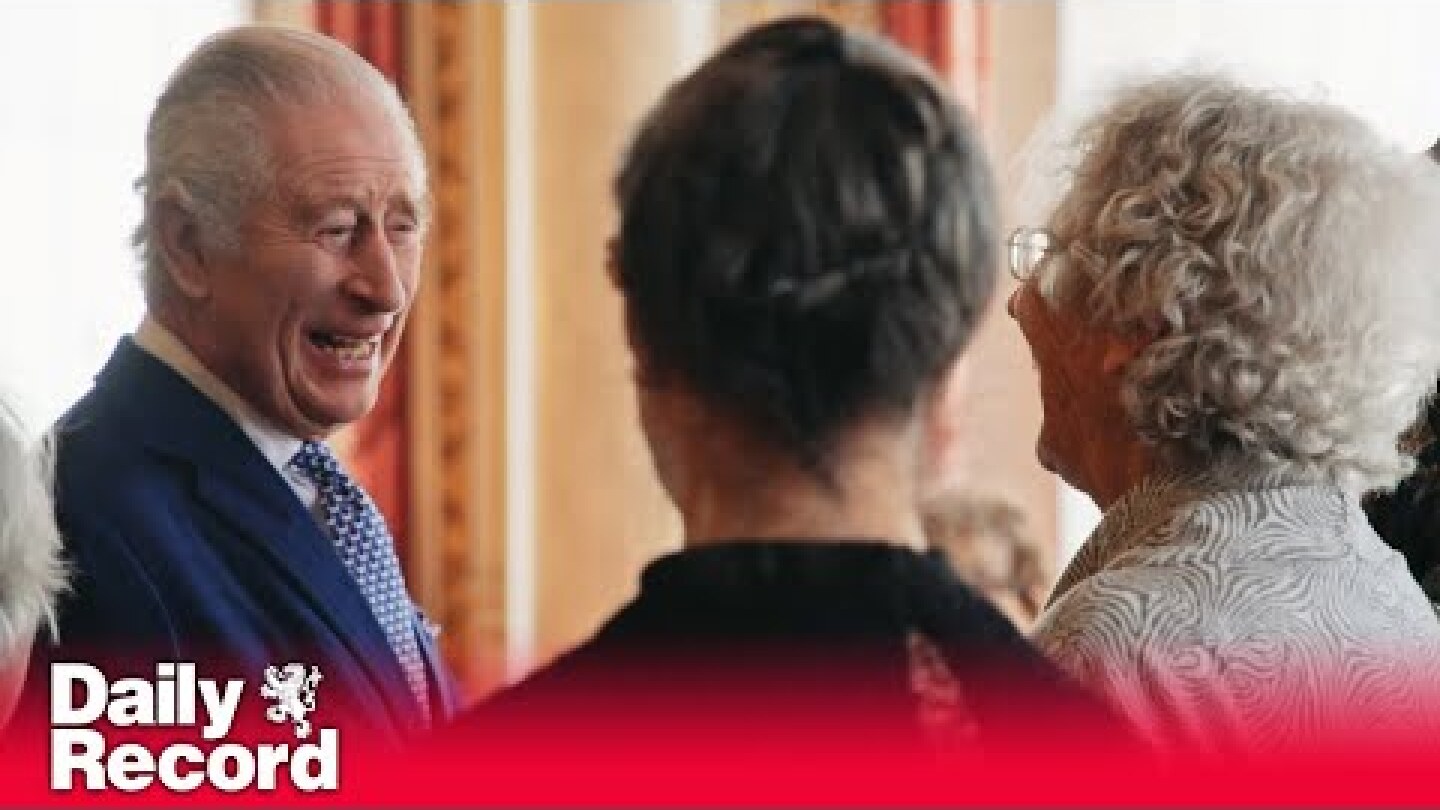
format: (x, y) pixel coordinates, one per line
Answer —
(235, 482)
(299, 550)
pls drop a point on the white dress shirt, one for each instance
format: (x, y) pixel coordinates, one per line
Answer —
(277, 446)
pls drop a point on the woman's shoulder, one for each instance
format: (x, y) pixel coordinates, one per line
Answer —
(1108, 609)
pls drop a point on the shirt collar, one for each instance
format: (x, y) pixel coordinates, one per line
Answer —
(1143, 515)
(277, 446)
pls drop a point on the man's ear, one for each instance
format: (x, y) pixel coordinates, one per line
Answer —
(180, 246)
(944, 443)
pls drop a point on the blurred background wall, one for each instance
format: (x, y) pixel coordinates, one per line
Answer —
(504, 450)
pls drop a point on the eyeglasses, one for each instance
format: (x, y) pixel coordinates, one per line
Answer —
(1028, 248)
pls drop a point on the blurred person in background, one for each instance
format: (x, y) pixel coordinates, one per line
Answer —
(31, 574)
(806, 245)
(988, 544)
(1232, 312)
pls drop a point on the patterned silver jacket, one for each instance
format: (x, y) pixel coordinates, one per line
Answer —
(1244, 613)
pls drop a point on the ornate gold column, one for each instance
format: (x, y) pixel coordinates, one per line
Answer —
(457, 557)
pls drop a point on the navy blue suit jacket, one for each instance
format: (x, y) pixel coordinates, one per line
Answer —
(188, 545)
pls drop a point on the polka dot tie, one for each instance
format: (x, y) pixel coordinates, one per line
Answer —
(368, 553)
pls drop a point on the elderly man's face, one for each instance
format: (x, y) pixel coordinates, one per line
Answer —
(306, 315)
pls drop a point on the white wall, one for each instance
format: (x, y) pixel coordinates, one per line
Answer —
(77, 81)
(1380, 58)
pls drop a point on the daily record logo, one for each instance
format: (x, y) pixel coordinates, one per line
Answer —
(80, 695)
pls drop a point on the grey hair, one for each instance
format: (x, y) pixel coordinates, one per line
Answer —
(1281, 255)
(206, 147)
(31, 574)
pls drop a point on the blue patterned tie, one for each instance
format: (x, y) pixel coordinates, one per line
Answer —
(368, 553)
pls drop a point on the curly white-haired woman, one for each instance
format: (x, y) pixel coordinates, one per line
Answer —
(1233, 315)
(30, 570)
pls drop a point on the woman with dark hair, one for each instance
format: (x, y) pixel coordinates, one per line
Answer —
(805, 246)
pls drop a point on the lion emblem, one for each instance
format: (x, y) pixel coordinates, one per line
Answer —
(293, 693)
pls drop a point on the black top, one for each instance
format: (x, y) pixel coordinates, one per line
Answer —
(1408, 518)
(818, 638)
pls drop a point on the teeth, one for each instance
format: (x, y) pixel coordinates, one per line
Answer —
(350, 350)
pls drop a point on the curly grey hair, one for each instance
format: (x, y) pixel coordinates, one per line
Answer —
(206, 147)
(31, 574)
(1281, 256)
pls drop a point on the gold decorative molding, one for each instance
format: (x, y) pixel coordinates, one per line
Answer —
(457, 557)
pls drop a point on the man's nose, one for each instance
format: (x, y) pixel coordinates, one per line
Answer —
(377, 280)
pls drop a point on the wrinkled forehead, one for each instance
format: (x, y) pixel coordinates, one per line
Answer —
(365, 182)
(350, 149)
(320, 139)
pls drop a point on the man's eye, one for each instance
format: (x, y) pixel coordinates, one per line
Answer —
(337, 233)
(404, 228)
